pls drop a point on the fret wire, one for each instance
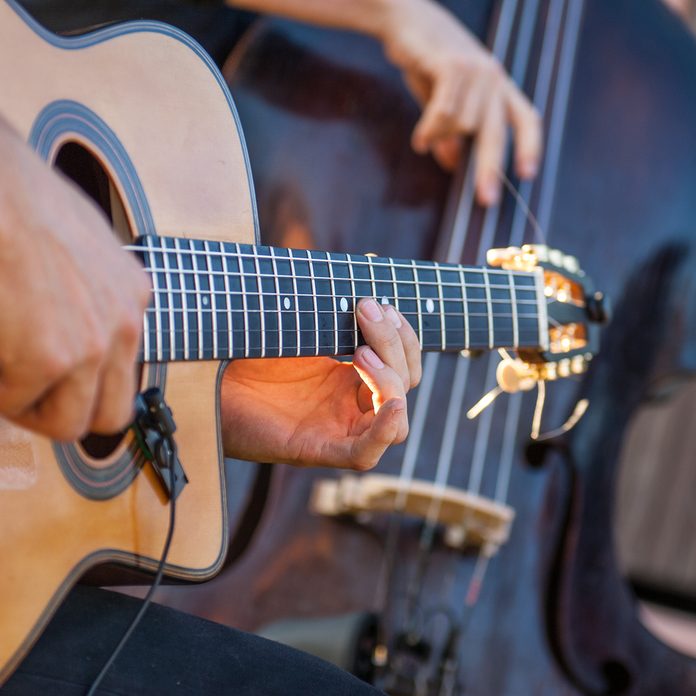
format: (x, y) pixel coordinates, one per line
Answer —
(297, 300)
(280, 313)
(170, 302)
(333, 290)
(146, 332)
(158, 318)
(146, 335)
(465, 307)
(454, 269)
(314, 303)
(228, 307)
(491, 337)
(372, 277)
(184, 298)
(398, 263)
(513, 304)
(396, 291)
(247, 338)
(442, 305)
(199, 308)
(418, 303)
(543, 310)
(262, 305)
(211, 286)
(354, 297)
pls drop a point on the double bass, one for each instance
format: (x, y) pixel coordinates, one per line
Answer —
(546, 611)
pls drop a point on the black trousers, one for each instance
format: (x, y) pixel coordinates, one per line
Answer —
(169, 653)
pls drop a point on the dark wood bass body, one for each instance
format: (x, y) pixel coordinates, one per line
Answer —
(327, 123)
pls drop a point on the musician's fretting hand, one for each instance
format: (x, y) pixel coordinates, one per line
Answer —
(71, 303)
(321, 412)
(463, 90)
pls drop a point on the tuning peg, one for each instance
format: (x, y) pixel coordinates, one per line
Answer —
(513, 258)
(515, 375)
(540, 251)
(512, 376)
(498, 257)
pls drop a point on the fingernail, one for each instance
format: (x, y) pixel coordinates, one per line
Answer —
(372, 359)
(371, 310)
(528, 169)
(490, 193)
(392, 316)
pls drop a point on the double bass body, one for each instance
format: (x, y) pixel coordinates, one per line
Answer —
(328, 124)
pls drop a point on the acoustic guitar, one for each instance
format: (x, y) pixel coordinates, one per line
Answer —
(140, 111)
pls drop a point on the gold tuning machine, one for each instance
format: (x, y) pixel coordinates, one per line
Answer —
(532, 256)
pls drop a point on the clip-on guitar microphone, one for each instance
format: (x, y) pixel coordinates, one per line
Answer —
(154, 427)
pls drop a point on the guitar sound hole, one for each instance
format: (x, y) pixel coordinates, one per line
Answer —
(80, 165)
(101, 446)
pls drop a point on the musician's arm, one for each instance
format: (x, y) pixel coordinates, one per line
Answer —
(463, 89)
(71, 304)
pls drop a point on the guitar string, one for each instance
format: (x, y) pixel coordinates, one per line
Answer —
(379, 262)
(331, 312)
(390, 283)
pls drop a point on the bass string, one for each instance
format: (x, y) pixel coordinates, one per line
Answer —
(457, 397)
(555, 129)
(491, 223)
(567, 35)
(458, 219)
(552, 36)
(521, 206)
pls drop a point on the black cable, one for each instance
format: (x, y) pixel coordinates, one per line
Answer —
(155, 583)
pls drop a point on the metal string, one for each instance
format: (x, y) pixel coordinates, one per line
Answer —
(491, 221)
(351, 260)
(460, 208)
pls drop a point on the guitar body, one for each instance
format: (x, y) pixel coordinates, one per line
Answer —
(111, 507)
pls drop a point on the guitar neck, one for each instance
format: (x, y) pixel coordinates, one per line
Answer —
(217, 300)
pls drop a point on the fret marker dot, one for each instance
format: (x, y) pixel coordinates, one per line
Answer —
(429, 305)
(385, 300)
(205, 301)
(286, 303)
(344, 304)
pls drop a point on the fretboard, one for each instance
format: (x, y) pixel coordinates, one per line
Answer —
(216, 300)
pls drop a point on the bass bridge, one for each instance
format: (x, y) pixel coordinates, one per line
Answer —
(468, 520)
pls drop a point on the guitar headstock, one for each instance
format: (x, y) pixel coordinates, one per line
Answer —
(574, 310)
